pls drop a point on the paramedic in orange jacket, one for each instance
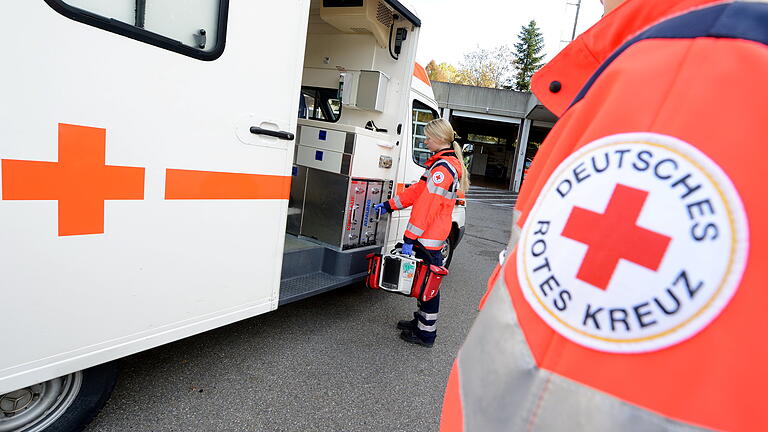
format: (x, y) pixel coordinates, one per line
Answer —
(633, 295)
(433, 198)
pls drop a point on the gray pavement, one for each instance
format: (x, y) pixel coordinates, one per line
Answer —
(333, 362)
(493, 197)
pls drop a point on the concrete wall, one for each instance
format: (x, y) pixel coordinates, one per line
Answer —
(494, 106)
(506, 103)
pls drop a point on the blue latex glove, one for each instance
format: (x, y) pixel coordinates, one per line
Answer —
(381, 209)
(407, 249)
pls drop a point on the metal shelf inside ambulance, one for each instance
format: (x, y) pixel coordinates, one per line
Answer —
(340, 172)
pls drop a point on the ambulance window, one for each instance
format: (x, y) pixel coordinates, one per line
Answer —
(320, 104)
(196, 28)
(422, 114)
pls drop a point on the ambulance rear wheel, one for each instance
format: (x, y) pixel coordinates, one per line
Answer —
(64, 404)
(447, 251)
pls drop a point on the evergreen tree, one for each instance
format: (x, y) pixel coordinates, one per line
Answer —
(528, 57)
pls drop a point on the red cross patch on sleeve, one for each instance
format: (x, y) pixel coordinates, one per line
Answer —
(636, 243)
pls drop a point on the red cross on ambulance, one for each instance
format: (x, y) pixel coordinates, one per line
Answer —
(80, 182)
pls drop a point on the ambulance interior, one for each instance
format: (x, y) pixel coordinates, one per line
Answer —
(356, 78)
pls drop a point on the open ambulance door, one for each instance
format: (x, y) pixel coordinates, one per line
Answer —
(146, 154)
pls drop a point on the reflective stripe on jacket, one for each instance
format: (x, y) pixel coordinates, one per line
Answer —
(433, 198)
(525, 365)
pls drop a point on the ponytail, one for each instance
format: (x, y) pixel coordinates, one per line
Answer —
(464, 175)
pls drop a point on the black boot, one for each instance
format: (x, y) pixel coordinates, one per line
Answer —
(411, 337)
(406, 324)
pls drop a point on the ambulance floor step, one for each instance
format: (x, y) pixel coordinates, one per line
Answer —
(293, 243)
(302, 287)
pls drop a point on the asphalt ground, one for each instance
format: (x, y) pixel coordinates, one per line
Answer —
(333, 362)
(494, 197)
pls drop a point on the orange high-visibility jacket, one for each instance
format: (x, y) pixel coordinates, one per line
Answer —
(433, 198)
(633, 296)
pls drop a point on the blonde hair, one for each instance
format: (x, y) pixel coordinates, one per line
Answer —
(440, 129)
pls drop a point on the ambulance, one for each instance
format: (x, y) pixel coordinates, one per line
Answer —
(172, 167)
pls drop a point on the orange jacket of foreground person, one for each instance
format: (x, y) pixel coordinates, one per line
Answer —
(635, 293)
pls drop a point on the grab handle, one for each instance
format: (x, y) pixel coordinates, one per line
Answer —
(378, 213)
(277, 134)
(353, 216)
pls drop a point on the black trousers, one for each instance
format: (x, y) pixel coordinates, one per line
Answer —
(425, 317)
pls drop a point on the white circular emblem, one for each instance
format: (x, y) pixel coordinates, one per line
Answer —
(438, 178)
(636, 243)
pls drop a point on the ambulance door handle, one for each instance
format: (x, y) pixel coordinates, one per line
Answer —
(277, 134)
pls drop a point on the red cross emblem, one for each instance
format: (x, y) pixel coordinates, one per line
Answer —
(614, 235)
(79, 181)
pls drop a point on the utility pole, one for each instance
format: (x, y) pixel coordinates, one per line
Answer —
(568, 4)
(575, 21)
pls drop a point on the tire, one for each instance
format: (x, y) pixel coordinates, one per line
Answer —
(447, 250)
(64, 404)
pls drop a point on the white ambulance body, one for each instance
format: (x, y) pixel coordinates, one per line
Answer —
(152, 160)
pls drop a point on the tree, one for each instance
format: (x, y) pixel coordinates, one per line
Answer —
(528, 58)
(481, 67)
(444, 72)
(485, 68)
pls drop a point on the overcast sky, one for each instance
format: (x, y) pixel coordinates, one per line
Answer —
(451, 28)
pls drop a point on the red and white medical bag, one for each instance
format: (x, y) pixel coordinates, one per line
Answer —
(404, 274)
